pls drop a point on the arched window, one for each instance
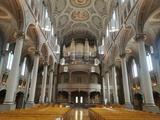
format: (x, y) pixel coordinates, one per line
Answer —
(149, 58)
(149, 62)
(52, 31)
(134, 69)
(122, 1)
(113, 21)
(29, 2)
(107, 32)
(114, 25)
(23, 67)
(7, 46)
(10, 60)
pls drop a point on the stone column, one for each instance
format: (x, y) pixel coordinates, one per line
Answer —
(158, 72)
(114, 81)
(13, 76)
(54, 88)
(1, 64)
(108, 88)
(70, 75)
(32, 90)
(88, 97)
(156, 65)
(50, 86)
(69, 97)
(145, 78)
(103, 90)
(126, 89)
(44, 81)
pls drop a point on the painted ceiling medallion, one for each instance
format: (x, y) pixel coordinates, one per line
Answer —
(80, 15)
(80, 3)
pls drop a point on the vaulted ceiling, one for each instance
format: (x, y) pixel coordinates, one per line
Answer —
(80, 17)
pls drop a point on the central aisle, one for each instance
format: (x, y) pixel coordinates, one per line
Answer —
(79, 114)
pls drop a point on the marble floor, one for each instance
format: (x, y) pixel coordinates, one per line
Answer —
(79, 114)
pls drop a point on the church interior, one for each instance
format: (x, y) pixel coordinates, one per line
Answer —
(79, 59)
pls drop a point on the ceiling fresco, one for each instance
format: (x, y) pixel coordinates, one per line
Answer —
(88, 16)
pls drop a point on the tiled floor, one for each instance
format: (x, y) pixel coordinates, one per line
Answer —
(79, 114)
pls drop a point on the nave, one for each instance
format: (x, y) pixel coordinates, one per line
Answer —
(64, 54)
(60, 112)
(78, 114)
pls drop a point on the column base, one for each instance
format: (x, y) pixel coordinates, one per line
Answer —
(151, 108)
(50, 102)
(128, 106)
(7, 107)
(29, 105)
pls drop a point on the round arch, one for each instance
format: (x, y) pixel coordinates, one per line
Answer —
(19, 100)
(138, 101)
(44, 51)
(2, 95)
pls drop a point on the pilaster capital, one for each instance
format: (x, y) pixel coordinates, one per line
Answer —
(51, 70)
(140, 36)
(19, 35)
(112, 65)
(106, 72)
(37, 52)
(4, 52)
(45, 63)
(123, 55)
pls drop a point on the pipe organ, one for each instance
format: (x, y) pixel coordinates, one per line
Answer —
(79, 50)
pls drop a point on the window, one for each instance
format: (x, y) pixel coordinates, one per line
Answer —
(46, 13)
(52, 31)
(107, 32)
(76, 99)
(149, 62)
(114, 27)
(81, 99)
(10, 60)
(134, 69)
(7, 46)
(122, 1)
(29, 2)
(23, 67)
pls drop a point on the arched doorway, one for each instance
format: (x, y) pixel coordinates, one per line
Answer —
(95, 97)
(62, 97)
(79, 98)
(138, 101)
(38, 84)
(19, 100)
(2, 96)
(156, 96)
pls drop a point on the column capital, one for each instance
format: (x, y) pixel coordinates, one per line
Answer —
(45, 63)
(140, 36)
(112, 65)
(106, 71)
(37, 52)
(123, 55)
(4, 52)
(19, 34)
(51, 70)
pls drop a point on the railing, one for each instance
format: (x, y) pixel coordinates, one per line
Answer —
(80, 59)
(94, 87)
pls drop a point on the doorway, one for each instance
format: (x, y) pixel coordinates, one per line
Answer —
(19, 100)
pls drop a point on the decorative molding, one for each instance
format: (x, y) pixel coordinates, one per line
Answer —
(80, 15)
(80, 3)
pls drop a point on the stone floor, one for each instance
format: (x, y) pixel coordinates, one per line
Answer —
(78, 114)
